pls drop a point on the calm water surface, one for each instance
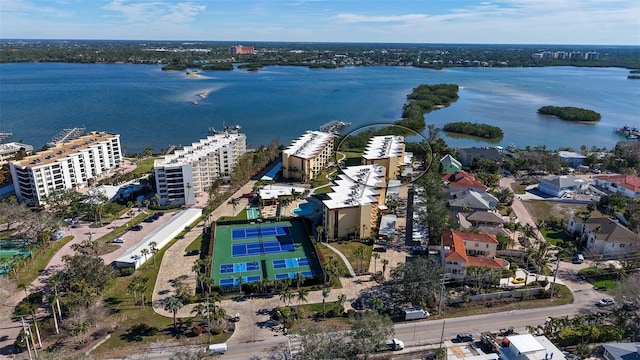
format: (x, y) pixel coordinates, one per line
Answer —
(152, 108)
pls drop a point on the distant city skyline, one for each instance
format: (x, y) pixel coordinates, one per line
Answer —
(569, 22)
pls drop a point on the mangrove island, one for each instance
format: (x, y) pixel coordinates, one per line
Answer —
(570, 113)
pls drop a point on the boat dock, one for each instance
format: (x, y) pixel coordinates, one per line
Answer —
(334, 126)
(67, 135)
(628, 132)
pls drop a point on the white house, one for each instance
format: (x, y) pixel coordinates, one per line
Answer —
(627, 185)
(561, 184)
(605, 236)
(529, 347)
(621, 351)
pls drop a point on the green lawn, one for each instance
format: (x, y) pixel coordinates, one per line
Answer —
(323, 190)
(554, 237)
(348, 248)
(144, 166)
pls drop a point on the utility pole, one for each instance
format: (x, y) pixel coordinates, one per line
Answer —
(555, 276)
(26, 337)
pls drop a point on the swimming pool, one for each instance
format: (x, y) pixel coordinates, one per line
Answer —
(303, 209)
(253, 213)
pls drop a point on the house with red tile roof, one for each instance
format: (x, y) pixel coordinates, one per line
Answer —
(461, 250)
(463, 180)
(627, 185)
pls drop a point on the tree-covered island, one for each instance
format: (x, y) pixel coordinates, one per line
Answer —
(474, 129)
(570, 113)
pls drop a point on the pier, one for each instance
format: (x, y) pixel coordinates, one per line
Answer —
(68, 134)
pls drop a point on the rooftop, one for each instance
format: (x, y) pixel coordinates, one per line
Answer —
(384, 147)
(563, 181)
(197, 150)
(63, 150)
(356, 186)
(611, 231)
(309, 145)
(630, 182)
(13, 147)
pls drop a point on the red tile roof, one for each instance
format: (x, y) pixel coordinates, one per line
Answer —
(630, 182)
(484, 262)
(457, 252)
(463, 180)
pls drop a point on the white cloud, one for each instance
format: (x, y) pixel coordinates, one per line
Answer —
(355, 18)
(155, 11)
(29, 8)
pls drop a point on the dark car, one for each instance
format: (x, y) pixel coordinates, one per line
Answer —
(158, 214)
(630, 306)
(193, 252)
(136, 227)
(380, 249)
(150, 219)
(464, 337)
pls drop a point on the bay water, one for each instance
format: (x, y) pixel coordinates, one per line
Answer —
(149, 107)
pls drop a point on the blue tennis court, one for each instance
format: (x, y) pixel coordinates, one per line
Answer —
(233, 281)
(258, 232)
(239, 267)
(292, 275)
(266, 247)
(290, 263)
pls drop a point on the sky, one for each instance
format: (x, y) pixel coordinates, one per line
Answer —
(593, 22)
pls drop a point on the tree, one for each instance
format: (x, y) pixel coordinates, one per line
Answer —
(418, 281)
(322, 342)
(299, 280)
(234, 202)
(153, 247)
(359, 254)
(613, 203)
(301, 296)
(173, 304)
(325, 295)
(385, 262)
(369, 331)
(375, 256)
(144, 252)
(319, 232)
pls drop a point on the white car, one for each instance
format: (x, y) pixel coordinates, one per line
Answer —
(119, 240)
(605, 302)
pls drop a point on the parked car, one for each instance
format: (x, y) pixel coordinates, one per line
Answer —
(464, 337)
(380, 249)
(118, 240)
(149, 219)
(136, 227)
(630, 306)
(518, 281)
(249, 195)
(605, 302)
(418, 250)
(578, 259)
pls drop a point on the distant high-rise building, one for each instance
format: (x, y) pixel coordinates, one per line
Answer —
(240, 49)
(193, 169)
(68, 165)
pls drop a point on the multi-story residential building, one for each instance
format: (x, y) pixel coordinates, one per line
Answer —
(307, 155)
(386, 151)
(190, 171)
(12, 150)
(241, 49)
(353, 206)
(627, 185)
(69, 165)
(461, 250)
(605, 236)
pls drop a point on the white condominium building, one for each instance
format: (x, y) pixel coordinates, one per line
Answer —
(69, 165)
(12, 150)
(307, 155)
(355, 200)
(387, 151)
(182, 176)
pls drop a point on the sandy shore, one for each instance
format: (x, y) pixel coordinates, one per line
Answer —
(195, 75)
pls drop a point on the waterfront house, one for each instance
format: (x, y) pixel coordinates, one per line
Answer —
(449, 165)
(627, 185)
(307, 155)
(605, 236)
(571, 158)
(485, 218)
(559, 185)
(468, 155)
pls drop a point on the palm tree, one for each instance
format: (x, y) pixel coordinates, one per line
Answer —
(325, 295)
(173, 304)
(299, 279)
(319, 231)
(153, 247)
(301, 296)
(199, 309)
(359, 254)
(376, 303)
(375, 257)
(341, 300)
(234, 202)
(285, 296)
(144, 252)
(385, 262)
